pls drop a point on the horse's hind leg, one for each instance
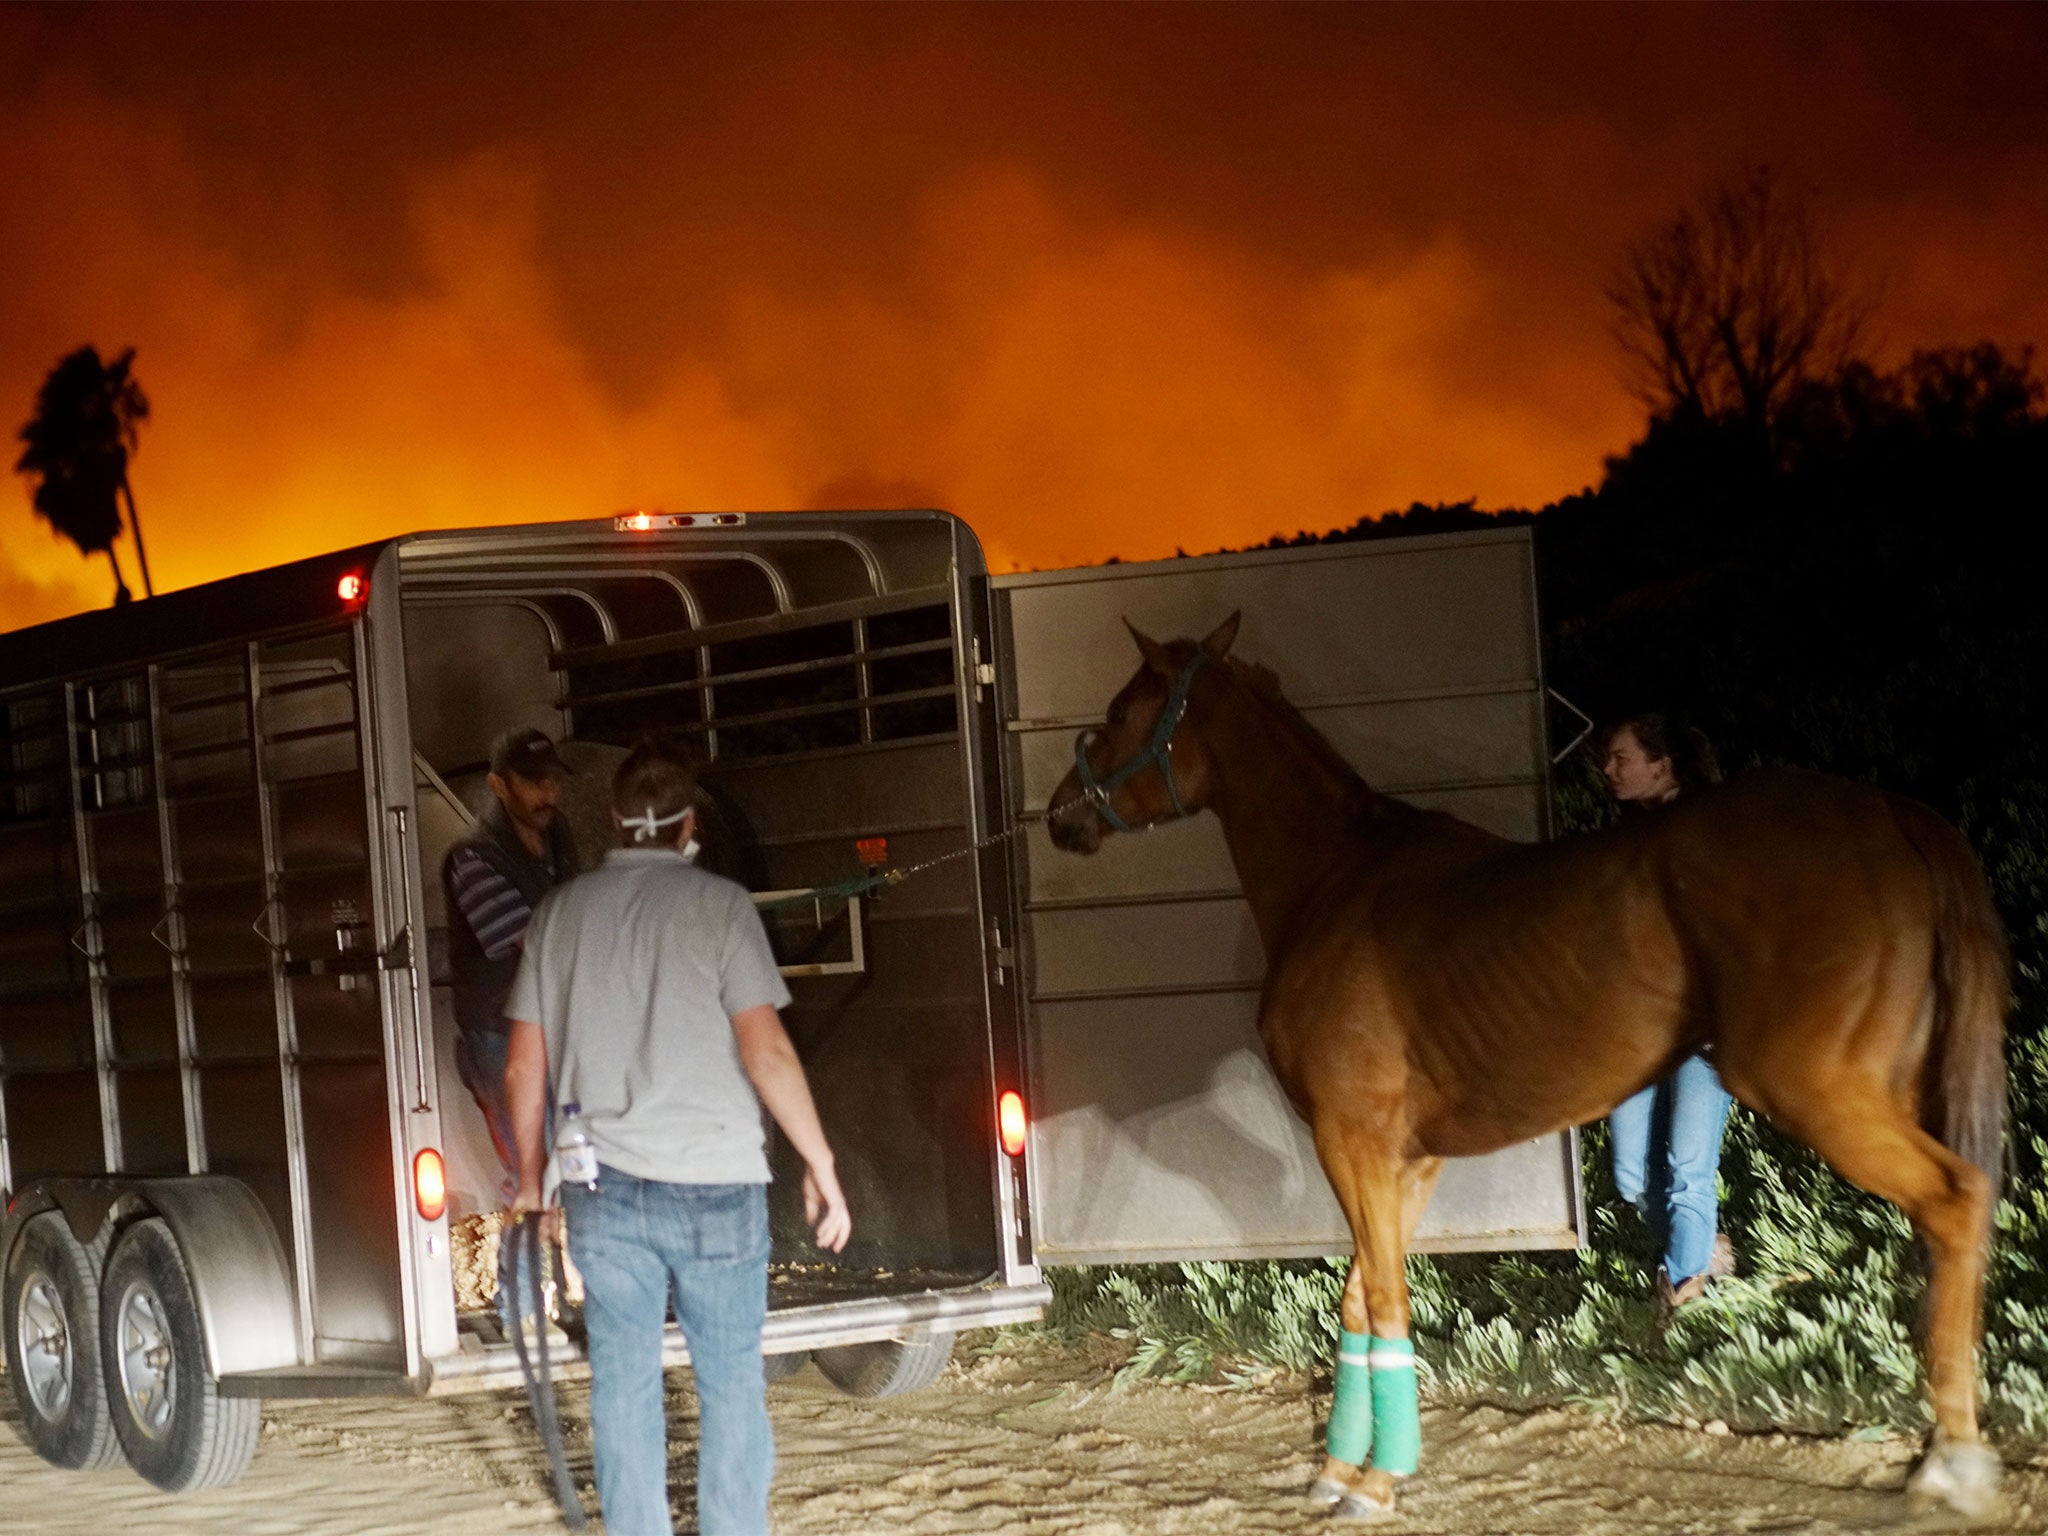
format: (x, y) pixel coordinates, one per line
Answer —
(1873, 1142)
(1383, 1198)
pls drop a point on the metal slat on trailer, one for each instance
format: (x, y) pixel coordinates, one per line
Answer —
(1159, 1131)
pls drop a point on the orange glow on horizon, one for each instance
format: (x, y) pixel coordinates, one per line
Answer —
(1076, 394)
(1009, 263)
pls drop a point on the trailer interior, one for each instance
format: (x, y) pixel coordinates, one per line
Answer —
(815, 670)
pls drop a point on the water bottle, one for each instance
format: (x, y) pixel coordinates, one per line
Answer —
(575, 1155)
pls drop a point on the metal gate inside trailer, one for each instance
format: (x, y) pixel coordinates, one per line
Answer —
(1159, 1131)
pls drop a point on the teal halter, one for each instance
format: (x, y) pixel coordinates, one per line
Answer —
(1156, 753)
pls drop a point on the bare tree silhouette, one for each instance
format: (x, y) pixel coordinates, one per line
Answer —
(76, 453)
(1730, 307)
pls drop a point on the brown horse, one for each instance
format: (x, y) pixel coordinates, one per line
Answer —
(1435, 991)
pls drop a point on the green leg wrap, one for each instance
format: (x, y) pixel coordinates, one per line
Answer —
(1397, 1416)
(1350, 1438)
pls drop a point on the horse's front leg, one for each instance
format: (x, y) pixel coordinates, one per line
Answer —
(1376, 1412)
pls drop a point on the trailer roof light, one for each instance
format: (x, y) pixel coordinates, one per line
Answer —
(1010, 1121)
(648, 522)
(351, 587)
(430, 1184)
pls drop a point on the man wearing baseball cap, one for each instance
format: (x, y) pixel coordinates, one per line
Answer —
(495, 875)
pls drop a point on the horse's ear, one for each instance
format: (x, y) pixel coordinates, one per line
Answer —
(1222, 637)
(1154, 653)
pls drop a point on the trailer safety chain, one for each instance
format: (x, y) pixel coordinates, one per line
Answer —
(524, 1235)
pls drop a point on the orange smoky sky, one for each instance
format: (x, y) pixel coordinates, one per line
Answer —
(1104, 280)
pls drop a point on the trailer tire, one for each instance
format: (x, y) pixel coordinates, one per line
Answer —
(177, 1430)
(887, 1367)
(781, 1367)
(52, 1296)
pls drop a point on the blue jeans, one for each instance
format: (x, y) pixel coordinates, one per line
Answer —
(636, 1240)
(1683, 1116)
(480, 1059)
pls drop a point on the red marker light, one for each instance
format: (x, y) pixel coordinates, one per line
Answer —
(1010, 1121)
(351, 587)
(429, 1184)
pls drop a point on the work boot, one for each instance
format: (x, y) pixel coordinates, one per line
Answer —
(1671, 1297)
(1722, 1265)
(1667, 1299)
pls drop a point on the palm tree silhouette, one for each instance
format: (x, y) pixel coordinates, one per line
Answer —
(77, 447)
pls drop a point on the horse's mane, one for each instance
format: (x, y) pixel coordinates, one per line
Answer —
(1361, 800)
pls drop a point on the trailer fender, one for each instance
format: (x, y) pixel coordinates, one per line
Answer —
(240, 1281)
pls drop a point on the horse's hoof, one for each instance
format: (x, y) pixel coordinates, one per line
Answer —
(1370, 1496)
(1961, 1475)
(1359, 1506)
(1326, 1492)
(1332, 1483)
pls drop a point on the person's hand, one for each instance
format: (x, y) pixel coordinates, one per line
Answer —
(526, 1206)
(825, 1207)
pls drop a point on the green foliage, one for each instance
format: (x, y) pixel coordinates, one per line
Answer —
(1817, 1334)
(1206, 1321)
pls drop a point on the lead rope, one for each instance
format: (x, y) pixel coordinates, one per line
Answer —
(540, 1388)
(866, 883)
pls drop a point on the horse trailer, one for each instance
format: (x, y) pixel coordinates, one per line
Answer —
(232, 1142)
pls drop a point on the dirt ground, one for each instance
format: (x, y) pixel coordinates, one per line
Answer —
(1028, 1439)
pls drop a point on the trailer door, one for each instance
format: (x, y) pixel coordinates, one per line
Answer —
(1159, 1131)
(270, 887)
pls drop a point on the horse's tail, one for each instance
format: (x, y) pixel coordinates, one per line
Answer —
(1963, 1098)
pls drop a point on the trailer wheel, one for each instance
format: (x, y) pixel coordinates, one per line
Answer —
(177, 1429)
(53, 1346)
(888, 1367)
(781, 1367)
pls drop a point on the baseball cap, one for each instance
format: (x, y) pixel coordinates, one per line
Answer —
(529, 753)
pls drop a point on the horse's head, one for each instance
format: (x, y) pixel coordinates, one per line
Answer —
(1141, 766)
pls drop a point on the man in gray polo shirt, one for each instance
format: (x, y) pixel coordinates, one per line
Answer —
(648, 991)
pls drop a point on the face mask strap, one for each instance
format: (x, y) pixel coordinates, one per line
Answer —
(647, 824)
